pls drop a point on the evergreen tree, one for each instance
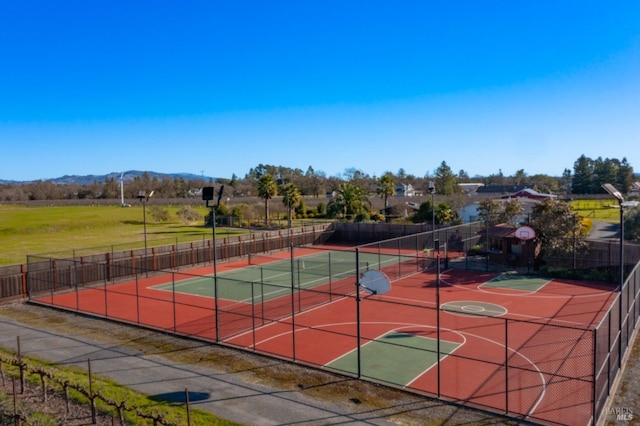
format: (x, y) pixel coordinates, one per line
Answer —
(582, 176)
(446, 182)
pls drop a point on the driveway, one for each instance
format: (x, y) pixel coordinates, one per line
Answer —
(604, 231)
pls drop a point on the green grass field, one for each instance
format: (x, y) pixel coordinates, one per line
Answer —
(601, 210)
(38, 230)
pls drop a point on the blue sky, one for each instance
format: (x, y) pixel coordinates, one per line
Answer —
(219, 87)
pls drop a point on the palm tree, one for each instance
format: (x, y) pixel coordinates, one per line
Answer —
(350, 199)
(290, 197)
(267, 189)
(386, 188)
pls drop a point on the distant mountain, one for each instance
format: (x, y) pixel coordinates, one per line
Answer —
(127, 176)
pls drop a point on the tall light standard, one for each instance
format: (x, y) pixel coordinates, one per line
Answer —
(432, 190)
(618, 196)
(144, 199)
(207, 195)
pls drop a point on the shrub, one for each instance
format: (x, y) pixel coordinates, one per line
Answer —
(362, 217)
(188, 214)
(476, 250)
(159, 214)
(378, 217)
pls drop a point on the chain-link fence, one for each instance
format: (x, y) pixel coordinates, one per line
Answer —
(539, 369)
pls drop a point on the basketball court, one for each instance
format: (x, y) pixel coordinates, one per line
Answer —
(514, 344)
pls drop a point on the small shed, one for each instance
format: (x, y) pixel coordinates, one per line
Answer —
(507, 249)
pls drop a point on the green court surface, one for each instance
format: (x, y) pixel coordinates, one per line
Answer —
(517, 282)
(397, 358)
(275, 277)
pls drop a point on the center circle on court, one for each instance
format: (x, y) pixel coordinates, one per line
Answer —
(473, 308)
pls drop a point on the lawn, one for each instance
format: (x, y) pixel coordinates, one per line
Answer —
(38, 230)
(28, 230)
(606, 210)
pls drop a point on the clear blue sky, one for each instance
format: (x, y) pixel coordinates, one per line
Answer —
(219, 87)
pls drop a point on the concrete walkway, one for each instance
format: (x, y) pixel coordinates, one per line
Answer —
(225, 394)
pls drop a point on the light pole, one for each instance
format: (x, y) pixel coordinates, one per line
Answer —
(144, 198)
(432, 190)
(618, 196)
(207, 195)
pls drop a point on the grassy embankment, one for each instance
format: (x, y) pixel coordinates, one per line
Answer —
(45, 230)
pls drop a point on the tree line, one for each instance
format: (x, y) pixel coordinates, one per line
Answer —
(586, 177)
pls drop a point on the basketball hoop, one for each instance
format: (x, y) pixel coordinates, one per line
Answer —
(525, 233)
(375, 282)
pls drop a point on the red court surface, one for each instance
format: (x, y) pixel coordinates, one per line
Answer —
(524, 353)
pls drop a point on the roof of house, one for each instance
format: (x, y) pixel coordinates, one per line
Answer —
(502, 230)
(529, 193)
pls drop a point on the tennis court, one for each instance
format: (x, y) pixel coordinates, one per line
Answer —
(512, 343)
(270, 277)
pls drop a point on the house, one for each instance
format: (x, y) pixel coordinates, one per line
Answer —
(530, 194)
(407, 190)
(469, 212)
(470, 188)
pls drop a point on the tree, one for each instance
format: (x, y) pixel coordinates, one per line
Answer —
(290, 197)
(493, 212)
(267, 189)
(582, 175)
(446, 215)
(350, 199)
(386, 187)
(446, 181)
(511, 212)
(520, 178)
(558, 228)
(490, 211)
(463, 176)
(625, 177)
(632, 225)
(424, 213)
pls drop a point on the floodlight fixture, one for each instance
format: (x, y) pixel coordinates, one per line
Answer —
(613, 191)
(207, 194)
